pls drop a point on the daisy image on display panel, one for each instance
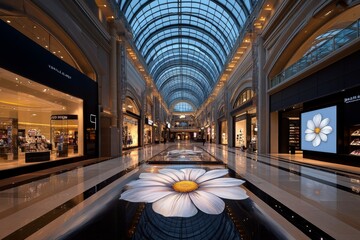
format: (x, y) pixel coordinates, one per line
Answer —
(317, 130)
(181, 193)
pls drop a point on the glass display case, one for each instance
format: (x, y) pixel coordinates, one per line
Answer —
(64, 135)
(355, 140)
(8, 130)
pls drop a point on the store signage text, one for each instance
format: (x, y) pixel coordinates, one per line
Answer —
(354, 98)
(63, 117)
(150, 122)
(59, 71)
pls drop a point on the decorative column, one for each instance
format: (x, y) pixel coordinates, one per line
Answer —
(260, 86)
(122, 85)
(153, 116)
(142, 116)
(229, 119)
(113, 75)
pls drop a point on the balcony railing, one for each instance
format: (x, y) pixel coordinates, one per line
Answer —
(342, 38)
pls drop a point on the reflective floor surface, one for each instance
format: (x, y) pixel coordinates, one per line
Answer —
(289, 198)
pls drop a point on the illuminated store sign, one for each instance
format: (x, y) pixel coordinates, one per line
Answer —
(59, 71)
(149, 121)
(93, 120)
(64, 117)
(351, 99)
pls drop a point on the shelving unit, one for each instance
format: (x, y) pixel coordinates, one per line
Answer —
(355, 141)
(294, 134)
(5, 149)
(35, 146)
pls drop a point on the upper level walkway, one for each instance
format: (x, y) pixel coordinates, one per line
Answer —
(304, 198)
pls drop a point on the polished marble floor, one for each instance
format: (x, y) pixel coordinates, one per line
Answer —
(307, 199)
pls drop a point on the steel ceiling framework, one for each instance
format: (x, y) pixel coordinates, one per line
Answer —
(186, 43)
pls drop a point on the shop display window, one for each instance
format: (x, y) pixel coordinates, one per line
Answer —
(147, 134)
(240, 136)
(28, 108)
(355, 140)
(224, 132)
(254, 132)
(130, 132)
(65, 135)
(8, 146)
(213, 133)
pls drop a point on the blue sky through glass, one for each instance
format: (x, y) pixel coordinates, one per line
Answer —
(183, 107)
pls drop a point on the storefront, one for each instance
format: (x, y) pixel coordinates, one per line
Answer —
(223, 132)
(213, 137)
(240, 131)
(208, 134)
(48, 108)
(148, 131)
(246, 130)
(330, 129)
(131, 125)
(289, 129)
(323, 123)
(245, 123)
(166, 134)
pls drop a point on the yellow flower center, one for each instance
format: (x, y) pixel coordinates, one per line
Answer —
(317, 130)
(185, 186)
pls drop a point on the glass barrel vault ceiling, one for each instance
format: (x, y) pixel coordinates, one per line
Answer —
(186, 43)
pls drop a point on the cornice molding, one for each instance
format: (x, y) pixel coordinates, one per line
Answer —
(95, 21)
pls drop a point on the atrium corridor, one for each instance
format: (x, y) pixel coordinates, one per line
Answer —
(300, 198)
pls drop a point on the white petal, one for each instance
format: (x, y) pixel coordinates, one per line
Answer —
(207, 202)
(193, 173)
(323, 137)
(317, 120)
(146, 183)
(324, 122)
(309, 131)
(173, 173)
(310, 125)
(221, 182)
(212, 174)
(235, 193)
(310, 136)
(157, 177)
(175, 205)
(326, 130)
(146, 194)
(316, 142)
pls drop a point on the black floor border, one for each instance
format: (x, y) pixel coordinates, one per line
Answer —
(295, 219)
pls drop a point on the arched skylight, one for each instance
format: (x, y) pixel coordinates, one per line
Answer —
(183, 107)
(186, 43)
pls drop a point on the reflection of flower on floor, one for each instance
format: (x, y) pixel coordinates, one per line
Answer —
(180, 193)
(317, 130)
